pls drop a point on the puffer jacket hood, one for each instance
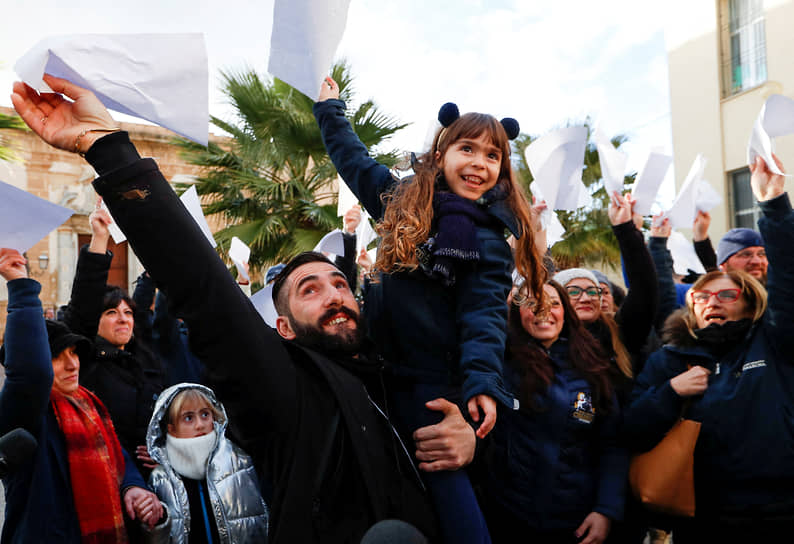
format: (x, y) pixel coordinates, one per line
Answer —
(233, 488)
(155, 435)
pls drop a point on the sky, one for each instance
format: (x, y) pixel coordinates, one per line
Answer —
(544, 63)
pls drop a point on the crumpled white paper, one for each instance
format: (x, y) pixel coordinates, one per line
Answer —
(556, 161)
(776, 118)
(682, 212)
(239, 253)
(158, 77)
(684, 256)
(648, 181)
(613, 163)
(263, 302)
(548, 219)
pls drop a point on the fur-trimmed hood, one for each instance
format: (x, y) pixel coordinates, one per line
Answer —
(675, 331)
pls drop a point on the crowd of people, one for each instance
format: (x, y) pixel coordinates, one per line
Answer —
(475, 394)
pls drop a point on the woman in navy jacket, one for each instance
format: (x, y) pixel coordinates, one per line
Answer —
(553, 471)
(729, 353)
(40, 496)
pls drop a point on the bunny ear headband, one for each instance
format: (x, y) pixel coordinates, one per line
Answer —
(449, 113)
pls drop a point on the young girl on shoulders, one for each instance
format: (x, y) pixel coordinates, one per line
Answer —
(438, 312)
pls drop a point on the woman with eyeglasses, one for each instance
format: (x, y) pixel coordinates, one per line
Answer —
(624, 334)
(728, 363)
(552, 471)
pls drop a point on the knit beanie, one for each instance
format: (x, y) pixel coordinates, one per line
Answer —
(601, 277)
(564, 276)
(736, 240)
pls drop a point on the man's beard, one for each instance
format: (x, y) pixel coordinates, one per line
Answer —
(345, 343)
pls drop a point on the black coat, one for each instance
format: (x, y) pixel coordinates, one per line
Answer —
(127, 381)
(332, 458)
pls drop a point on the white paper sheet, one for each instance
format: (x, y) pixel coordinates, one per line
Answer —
(25, 219)
(191, 201)
(648, 181)
(305, 36)
(682, 212)
(365, 234)
(556, 161)
(263, 302)
(684, 256)
(706, 197)
(115, 231)
(345, 198)
(373, 254)
(239, 253)
(554, 229)
(158, 77)
(333, 242)
(613, 163)
(776, 118)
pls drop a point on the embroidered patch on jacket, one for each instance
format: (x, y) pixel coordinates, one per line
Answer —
(753, 364)
(583, 407)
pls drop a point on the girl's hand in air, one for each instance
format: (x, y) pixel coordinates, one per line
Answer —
(329, 89)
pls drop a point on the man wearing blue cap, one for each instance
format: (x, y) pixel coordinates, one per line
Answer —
(743, 249)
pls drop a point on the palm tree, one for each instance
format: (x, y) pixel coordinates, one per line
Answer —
(8, 122)
(588, 239)
(273, 183)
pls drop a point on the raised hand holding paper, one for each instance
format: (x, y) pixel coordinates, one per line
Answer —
(158, 77)
(548, 218)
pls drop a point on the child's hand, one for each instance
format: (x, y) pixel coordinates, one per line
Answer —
(329, 89)
(488, 406)
(143, 505)
(143, 455)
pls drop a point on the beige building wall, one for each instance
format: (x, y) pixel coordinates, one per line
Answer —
(705, 122)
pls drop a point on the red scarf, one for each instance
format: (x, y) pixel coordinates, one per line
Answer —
(96, 465)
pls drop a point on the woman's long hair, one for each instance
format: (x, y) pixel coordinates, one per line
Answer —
(619, 351)
(408, 217)
(533, 364)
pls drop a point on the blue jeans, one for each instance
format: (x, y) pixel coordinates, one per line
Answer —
(451, 492)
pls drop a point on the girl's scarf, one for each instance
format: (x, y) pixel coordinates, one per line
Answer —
(188, 456)
(455, 243)
(96, 465)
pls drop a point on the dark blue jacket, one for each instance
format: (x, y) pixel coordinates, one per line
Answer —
(165, 334)
(431, 333)
(39, 503)
(554, 466)
(745, 452)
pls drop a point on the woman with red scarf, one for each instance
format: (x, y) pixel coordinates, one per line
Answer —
(78, 483)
